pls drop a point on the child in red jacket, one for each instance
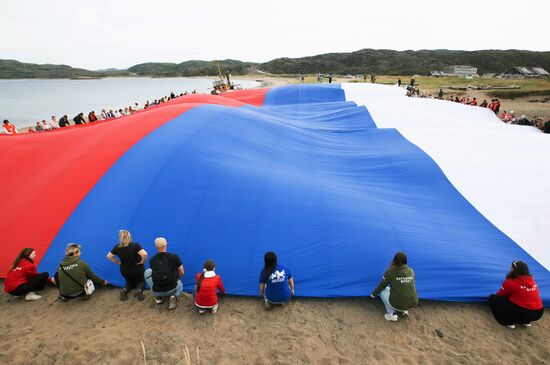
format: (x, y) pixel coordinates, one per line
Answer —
(518, 300)
(206, 291)
(23, 279)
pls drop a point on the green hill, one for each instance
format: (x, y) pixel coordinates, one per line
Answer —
(389, 62)
(381, 62)
(11, 69)
(191, 68)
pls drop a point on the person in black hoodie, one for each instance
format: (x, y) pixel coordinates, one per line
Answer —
(79, 119)
(64, 121)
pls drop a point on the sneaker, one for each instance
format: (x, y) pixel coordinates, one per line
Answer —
(391, 317)
(139, 295)
(158, 300)
(527, 324)
(267, 305)
(32, 296)
(405, 313)
(202, 311)
(123, 295)
(215, 309)
(173, 302)
(511, 326)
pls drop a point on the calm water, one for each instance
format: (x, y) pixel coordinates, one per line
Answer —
(24, 102)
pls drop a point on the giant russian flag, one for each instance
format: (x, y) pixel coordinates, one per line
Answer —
(335, 179)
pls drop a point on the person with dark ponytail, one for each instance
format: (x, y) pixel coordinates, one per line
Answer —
(276, 282)
(397, 288)
(23, 279)
(206, 290)
(518, 300)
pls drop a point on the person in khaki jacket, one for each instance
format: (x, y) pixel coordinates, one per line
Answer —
(72, 274)
(397, 289)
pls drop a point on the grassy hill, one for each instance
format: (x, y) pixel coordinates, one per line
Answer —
(381, 62)
(191, 68)
(389, 62)
(11, 69)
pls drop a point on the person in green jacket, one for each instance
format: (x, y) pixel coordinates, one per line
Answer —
(73, 273)
(397, 289)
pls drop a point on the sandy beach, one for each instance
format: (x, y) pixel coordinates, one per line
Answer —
(104, 330)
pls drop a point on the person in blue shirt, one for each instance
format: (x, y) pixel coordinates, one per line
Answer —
(276, 282)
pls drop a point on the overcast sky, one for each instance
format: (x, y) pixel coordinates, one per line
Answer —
(120, 33)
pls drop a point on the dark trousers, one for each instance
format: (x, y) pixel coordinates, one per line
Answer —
(507, 313)
(34, 284)
(134, 279)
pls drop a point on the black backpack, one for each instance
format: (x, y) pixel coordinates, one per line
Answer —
(163, 275)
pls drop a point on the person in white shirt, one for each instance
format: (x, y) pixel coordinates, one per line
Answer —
(46, 126)
(53, 122)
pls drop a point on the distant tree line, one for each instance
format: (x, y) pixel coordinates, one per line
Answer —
(381, 62)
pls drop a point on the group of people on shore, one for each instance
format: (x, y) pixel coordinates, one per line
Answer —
(494, 106)
(517, 302)
(64, 121)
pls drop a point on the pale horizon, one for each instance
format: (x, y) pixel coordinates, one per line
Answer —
(119, 34)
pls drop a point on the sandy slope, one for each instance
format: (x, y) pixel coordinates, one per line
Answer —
(308, 331)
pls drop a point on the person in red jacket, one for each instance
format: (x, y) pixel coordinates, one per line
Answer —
(23, 279)
(206, 291)
(518, 300)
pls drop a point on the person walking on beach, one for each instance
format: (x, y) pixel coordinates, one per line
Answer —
(73, 274)
(397, 288)
(164, 275)
(23, 278)
(131, 258)
(8, 127)
(276, 282)
(206, 290)
(518, 300)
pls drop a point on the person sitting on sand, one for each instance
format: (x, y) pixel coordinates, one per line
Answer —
(73, 273)
(397, 288)
(518, 300)
(206, 290)
(483, 103)
(164, 275)
(276, 282)
(23, 278)
(131, 258)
